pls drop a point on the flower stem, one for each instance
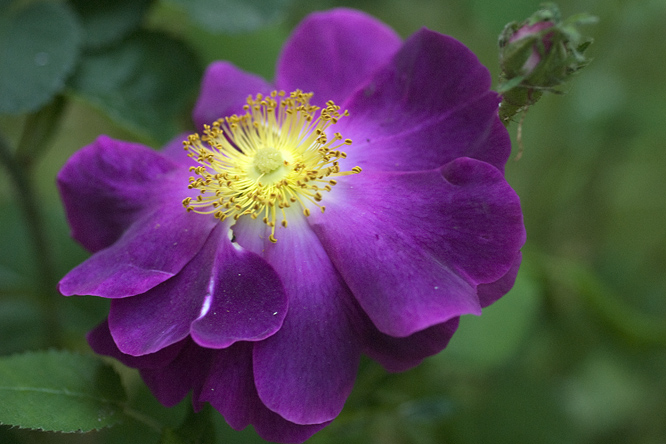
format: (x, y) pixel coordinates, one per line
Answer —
(27, 201)
(38, 129)
(144, 419)
(627, 321)
(515, 101)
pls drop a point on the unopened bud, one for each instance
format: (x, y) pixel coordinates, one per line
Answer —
(526, 48)
(538, 55)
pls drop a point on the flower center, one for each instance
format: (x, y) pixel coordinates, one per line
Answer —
(275, 155)
(268, 160)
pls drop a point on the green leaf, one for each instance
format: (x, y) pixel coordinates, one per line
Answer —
(39, 45)
(198, 428)
(142, 84)
(108, 21)
(233, 16)
(59, 391)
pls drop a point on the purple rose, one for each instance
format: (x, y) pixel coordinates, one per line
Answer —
(390, 176)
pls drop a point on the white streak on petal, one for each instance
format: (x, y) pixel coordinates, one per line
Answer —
(207, 300)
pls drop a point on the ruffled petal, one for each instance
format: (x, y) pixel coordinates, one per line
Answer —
(169, 373)
(170, 384)
(489, 293)
(106, 186)
(333, 53)
(152, 250)
(306, 370)
(230, 389)
(148, 322)
(224, 90)
(412, 247)
(429, 105)
(401, 354)
(101, 341)
(222, 296)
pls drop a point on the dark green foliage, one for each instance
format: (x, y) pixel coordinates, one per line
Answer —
(39, 46)
(59, 391)
(142, 84)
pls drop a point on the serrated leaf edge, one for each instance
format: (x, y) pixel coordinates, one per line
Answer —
(52, 351)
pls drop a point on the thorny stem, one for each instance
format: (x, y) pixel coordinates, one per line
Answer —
(27, 201)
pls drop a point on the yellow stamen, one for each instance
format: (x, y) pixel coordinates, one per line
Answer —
(275, 155)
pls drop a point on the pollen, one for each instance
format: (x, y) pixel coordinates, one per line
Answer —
(267, 160)
(279, 153)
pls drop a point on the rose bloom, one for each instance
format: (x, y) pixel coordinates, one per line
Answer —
(356, 204)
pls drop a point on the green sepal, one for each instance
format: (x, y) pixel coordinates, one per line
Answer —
(554, 52)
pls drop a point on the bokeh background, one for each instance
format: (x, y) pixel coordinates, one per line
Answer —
(575, 353)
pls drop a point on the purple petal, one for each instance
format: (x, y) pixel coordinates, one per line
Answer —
(413, 246)
(106, 186)
(174, 150)
(162, 316)
(430, 105)
(101, 342)
(400, 354)
(187, 372)
(489, 293)
(333, 53)
(248, 302)
(230, 389)
(223, 295)
(224, 89)
(306, 370)
(495, 149)
(152, 250)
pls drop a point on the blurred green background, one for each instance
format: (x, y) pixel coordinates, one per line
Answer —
(575, 353)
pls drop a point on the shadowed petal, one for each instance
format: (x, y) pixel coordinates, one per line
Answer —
(170, 384)
(428, 106)
(169, 373)
(412, 247)
(333, 53)
(306, 370)
(107, 185)
(489, 293)
(224, 89)
(101, 341)
(230, 389)
(400, 354)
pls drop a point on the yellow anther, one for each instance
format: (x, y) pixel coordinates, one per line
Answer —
(276, 154)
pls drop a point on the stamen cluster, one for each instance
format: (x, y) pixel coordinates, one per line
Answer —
(260, 163)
